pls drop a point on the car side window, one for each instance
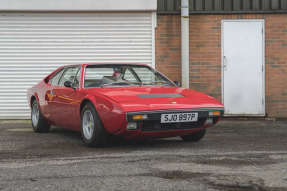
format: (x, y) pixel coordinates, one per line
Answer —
(144, 74)
(94, 76)
(128, 76)
(69, 75)
(76, 83)
(55, 79)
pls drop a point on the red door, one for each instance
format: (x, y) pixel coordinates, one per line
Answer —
(66, 102)
(66, 107)
(50, 96)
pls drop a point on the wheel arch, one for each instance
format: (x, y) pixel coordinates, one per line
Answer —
(85, 101)
(105, 112)
(33, 98)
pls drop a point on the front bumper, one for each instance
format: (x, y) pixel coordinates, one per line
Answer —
(152, 124)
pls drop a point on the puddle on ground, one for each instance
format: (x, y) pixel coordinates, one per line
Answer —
(239, 161)
(20, 130)
(239, 183)
(233, 162)
(278, 156)
(177, 174)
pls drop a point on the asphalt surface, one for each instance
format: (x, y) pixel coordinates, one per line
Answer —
(235, 155)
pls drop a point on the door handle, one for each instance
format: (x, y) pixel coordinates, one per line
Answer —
(224, 63)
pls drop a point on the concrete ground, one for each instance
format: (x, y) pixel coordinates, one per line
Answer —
(235, 155)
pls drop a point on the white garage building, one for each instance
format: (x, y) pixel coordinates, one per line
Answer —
(37, 36)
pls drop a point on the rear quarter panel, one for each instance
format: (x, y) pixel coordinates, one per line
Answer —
(39, 92)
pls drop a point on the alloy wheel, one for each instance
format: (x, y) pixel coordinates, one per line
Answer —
(88, 124)
(35, 114)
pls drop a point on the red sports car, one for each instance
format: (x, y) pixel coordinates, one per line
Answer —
(129, 100)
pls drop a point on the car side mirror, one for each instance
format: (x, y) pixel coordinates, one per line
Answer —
(68, 84)
(177, 83)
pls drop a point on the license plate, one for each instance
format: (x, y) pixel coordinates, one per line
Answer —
(178, 117)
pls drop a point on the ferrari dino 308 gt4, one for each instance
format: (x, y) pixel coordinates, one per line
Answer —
(129, 100)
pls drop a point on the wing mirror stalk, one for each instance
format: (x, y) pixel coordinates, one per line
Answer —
(177, 83)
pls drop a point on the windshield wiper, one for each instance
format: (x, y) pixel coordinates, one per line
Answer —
(116, 83)
(162, 83)
(158, 83)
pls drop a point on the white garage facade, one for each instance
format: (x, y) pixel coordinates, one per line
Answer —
(38, 36)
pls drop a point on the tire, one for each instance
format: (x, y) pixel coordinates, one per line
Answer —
(194, 137)
(39, 123)
(93, 132)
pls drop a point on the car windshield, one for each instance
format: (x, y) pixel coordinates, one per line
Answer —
(123, 75)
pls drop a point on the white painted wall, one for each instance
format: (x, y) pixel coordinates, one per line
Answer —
(78, 5)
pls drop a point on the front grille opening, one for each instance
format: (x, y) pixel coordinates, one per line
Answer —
(157, 126)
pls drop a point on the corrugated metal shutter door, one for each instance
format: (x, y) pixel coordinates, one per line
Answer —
(33, 45)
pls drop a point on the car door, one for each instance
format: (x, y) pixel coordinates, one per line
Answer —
(49, 94)
(67, 99)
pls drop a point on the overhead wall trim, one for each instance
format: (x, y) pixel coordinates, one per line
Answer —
(224, 6)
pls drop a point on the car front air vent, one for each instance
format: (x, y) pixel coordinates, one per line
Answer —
(158, 95)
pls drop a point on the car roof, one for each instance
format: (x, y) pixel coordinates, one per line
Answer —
(89, 64)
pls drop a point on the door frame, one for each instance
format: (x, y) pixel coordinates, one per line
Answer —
(263, 63)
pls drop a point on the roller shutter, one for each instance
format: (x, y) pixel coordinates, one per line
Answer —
(33, 45)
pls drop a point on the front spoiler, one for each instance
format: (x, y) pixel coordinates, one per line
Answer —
(138, 134)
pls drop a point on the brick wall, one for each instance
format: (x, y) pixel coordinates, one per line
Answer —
(205, 55)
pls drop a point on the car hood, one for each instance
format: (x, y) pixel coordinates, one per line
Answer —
(157, 98)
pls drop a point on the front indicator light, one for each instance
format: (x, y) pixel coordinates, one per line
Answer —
(132, 126)
(139, 117)
(214, 113)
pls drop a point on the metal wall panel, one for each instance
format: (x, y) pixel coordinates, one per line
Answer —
(191, 4)
(283, 4)
(33, 45)
(224, 6)
(236, 5)
(256, 5)
(199, 5)
(209, 5)
(161, 5)
(227, 5)
(266, 4)
(218, 5)
(246, 4)
(170, 5)
(275, 4)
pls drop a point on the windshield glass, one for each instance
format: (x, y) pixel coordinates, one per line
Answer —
(122, 75)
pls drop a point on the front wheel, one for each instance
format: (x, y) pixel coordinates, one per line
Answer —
(93, 132)
(194, 137)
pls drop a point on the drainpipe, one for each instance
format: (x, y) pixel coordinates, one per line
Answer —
(185, 43)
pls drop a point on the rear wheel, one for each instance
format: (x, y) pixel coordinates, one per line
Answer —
(39, 123)
(194, 137)
(93, 132)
